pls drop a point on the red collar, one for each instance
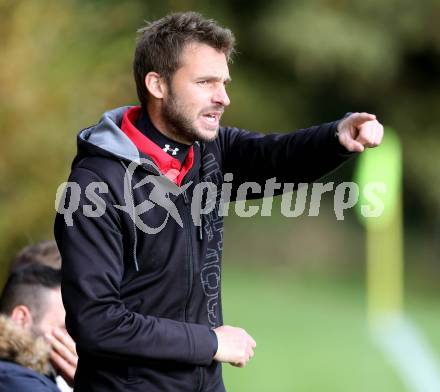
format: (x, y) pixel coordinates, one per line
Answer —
(168, 166)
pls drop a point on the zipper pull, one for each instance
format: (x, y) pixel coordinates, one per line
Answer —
(185, 197)
(201, 230)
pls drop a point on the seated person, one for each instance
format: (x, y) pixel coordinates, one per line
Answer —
(34, 345)
(46, 252)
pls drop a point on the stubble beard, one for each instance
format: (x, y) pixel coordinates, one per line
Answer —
(179, 123)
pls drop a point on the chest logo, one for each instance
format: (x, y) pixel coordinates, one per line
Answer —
(167, 148)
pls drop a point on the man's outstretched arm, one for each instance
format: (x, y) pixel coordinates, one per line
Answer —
(302, 156)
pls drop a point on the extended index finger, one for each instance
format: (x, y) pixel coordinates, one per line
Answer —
(360, 118)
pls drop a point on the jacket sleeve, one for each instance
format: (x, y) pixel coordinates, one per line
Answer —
(301, 156)
(96, 318)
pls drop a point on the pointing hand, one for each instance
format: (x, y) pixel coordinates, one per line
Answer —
(359, 131)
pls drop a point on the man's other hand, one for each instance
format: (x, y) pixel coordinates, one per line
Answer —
(63, 355)
(235, 346)
(359, 131)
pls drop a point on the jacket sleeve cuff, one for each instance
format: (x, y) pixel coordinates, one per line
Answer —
(204, 344)
(334, 139)
(214, 342)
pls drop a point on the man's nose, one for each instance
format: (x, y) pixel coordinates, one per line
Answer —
(221, 96)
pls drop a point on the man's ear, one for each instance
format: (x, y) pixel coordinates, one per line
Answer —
(22, 316)
(155, 85)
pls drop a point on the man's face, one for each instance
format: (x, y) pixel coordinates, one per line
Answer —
(196, 96)
(54, 313)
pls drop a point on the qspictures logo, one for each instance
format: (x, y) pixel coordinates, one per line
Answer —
(162, 192)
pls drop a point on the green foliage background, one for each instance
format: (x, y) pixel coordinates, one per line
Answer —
(62, 63)
(300, 62)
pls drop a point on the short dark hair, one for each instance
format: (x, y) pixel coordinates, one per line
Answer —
(160, 45)
(26, 286)
(43, 252)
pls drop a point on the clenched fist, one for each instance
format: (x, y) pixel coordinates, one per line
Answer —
(235, 346)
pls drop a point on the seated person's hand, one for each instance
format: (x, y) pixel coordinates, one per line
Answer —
(63, 355)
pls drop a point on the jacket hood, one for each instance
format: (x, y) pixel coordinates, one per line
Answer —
(19, 346)
(106, 138)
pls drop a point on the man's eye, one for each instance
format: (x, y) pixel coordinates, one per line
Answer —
(202, 82)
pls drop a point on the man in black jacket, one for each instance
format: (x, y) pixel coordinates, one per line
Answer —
(140, 221)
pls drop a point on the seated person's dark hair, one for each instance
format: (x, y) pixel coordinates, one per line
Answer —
(25, 287)
(44, 252)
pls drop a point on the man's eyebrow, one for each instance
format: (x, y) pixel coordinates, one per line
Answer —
(215, 79)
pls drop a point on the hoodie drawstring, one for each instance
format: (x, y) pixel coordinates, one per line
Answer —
(201, 174)
(136, 265)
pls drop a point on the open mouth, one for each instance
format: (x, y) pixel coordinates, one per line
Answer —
(212, 118)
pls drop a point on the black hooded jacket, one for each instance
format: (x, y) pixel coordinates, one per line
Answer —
(141, 273)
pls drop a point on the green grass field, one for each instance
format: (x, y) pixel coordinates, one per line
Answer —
(311, 332)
